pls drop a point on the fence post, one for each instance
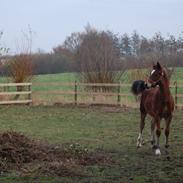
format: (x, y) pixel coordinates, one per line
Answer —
(119, 91)
(30, 94)
(75, 93)
(176, 86)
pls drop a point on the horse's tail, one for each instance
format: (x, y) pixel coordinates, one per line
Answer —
(138, 87)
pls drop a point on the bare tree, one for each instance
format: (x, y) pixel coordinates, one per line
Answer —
(3, 50)
(20, 66)
(98, 57)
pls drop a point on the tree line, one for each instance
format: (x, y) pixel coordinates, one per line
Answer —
(135, 50)
(131, 51)
(101, 52)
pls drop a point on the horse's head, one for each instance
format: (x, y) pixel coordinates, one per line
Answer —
(156, 74)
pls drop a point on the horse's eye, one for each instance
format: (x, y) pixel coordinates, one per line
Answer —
(159, 73)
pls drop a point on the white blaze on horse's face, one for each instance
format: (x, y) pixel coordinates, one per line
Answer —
(152, 72)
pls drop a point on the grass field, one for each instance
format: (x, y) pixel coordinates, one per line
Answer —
(110, 130)
(71, 77)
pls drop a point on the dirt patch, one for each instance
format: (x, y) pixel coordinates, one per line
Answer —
(25, 155)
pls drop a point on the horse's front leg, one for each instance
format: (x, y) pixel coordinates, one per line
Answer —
(142, 124)
(158, 133)
(153, 133)
(167, 129)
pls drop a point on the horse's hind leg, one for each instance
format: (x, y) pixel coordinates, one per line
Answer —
(167, 129)
(142, 124)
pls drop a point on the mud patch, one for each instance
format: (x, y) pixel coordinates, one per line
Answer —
(25, 155)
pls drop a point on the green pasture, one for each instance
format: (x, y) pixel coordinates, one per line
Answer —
(111, 130)
(127, 77)
(71, 77)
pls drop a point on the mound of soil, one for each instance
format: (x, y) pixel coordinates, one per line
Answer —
(17, 148)
(20, 153)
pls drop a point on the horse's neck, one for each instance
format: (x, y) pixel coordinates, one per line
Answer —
(164, 88)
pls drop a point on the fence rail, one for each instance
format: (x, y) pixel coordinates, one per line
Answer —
(77, 93)
(119, 96)
(11, 93)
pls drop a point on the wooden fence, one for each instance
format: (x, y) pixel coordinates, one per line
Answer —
(49, 93)
(9, 94)
(96, 93)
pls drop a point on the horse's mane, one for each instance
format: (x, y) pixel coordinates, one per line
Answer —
(165, 75)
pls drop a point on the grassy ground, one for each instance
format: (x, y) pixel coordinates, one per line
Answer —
(111, 130)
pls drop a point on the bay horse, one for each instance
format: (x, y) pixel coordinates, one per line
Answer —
(158, 102)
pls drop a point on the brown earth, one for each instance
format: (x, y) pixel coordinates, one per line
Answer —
(24, 155)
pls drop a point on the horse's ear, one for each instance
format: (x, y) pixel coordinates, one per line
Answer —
(158, 66)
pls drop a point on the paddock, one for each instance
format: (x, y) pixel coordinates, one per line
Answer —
(111, 131)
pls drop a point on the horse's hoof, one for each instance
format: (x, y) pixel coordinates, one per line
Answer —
(167, 146)
(157, 152)
(139, 145)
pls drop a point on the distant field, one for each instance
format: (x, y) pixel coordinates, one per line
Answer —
(63, 77)
(71, 77)
(178, 75)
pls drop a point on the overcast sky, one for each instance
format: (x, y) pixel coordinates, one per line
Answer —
(53, 20)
